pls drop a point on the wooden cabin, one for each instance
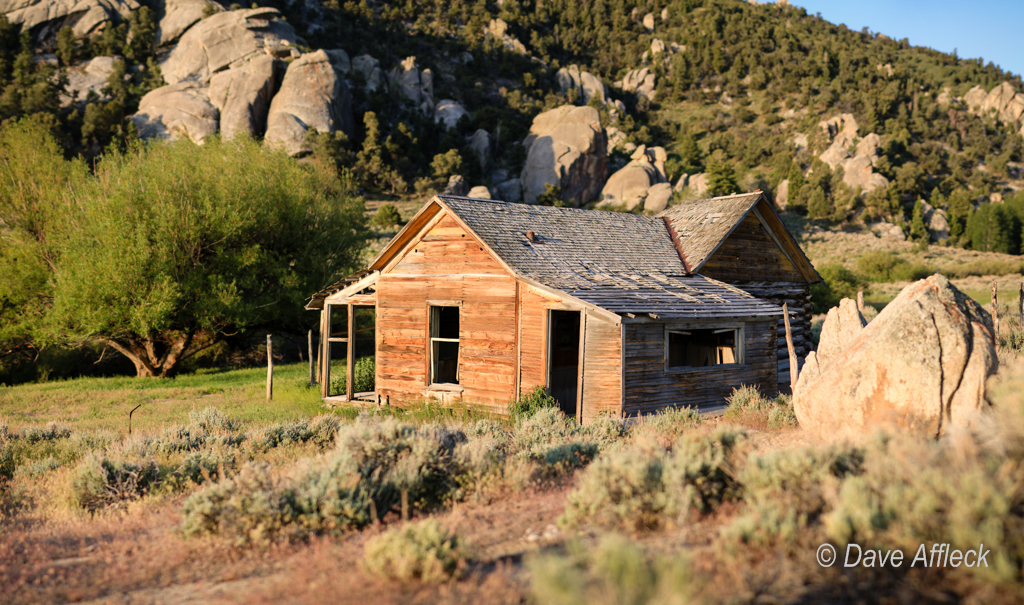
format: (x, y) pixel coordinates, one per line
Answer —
(480, 301)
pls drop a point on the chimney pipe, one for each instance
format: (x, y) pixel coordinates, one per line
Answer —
(530, 235)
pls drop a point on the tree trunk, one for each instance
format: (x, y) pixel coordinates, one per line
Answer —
(145, 354)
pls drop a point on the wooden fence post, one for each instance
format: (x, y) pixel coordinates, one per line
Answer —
(995, 313)
(312, 367)
(1020, 304)
(860, 301)
(794, 368)
(270, 369)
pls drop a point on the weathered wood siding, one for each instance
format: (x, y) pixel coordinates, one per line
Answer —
(447, 264)
(602, 370)
(649, 388)
(749, 253)
(533, 343)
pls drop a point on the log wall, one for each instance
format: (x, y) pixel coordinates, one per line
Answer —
(447, 264)
(649, 388)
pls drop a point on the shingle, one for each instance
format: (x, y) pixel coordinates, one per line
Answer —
(624, 263)
(701, 225)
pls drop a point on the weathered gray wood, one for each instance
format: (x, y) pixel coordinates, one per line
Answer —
(312, 363)
(794, 368)
(860, 301)
(350, 375)
(995, 312)
(270, 368)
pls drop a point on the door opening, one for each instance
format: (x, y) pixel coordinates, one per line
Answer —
(564, 358)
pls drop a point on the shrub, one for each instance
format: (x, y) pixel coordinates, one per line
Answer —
(322, 430)
(785, 493)
(700, 473)
(547, 426)
(622, 489)
(51, 432)
(667, 425)
(249, 507)
(203, 466)
(531, 403)
(781, 416)
(422, 550)
(569, 456)
(839, 283)
(211, 420)
(615, 571)
(98, 483)
(387, 216)
(748, 406)
(364, 377)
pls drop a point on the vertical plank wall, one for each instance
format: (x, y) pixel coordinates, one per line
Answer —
(602, 372)
(649, 388)
(447, 264)
(533, 327)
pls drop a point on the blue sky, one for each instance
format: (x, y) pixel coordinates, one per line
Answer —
(990, 29)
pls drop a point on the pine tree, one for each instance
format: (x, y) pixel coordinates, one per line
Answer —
(960, 210)
(818, 205)
(721, 175)
(369, 163)
(918, 231)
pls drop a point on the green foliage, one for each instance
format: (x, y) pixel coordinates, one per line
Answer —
(721, 175)
(616, 571)
(552, 196)
(67, 46)
(364, 371)
(918, 231)
(960, 210)
(839, 283)
(387, 216)
(212, 420)
(417, 551)
(882, 266)
(529, 404)
(98, 482)
(447, 164)
(995, 228)
(176, 245)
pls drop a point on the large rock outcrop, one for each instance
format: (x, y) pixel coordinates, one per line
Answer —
(181, 110)
(858, 168)
(227, 40)
(919, 366)
(243, 96)
(449, 112)
(88, 77)
(85, 17)
(586, 84)
(498, 29)
(1004, 101)
(415, 85)
(632, 185)
(179, 15)
(313, 95)
(639, 81)
(565, 147)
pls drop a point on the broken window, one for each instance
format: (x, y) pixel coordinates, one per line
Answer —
(444, 345)
(702, 348)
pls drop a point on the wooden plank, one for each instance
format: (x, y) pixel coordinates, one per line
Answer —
(350, 352)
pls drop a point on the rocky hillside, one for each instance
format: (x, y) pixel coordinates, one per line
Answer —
(630, 105)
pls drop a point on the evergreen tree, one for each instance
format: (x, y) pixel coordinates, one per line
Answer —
(817, 205)
(721, 175)
(960, 210)
(918, 231)
(369, 163)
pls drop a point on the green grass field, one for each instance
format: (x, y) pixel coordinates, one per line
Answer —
(104, 403)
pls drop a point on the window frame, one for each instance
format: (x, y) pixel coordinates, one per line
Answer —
(739, 328)
(431, 339)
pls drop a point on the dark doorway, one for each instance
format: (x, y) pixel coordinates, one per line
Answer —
(564, 359)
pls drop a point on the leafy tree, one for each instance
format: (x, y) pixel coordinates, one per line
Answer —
(447, 164)
(387, 215)
(178, 245)
(37, 191)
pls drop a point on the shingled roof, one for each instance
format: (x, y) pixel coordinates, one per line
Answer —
(623, 263)
(701, 225)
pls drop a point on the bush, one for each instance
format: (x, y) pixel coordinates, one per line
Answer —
(748, 406)
(322, 430)
(839, 283)
(531, 403)
(614, 572)
(623, 489)
(51, 432)
(422, 550)
(98, 483)
(782, 415)
(700, 473)
(211, 420)
(200, 467)
(364, 377)
(364, 478)
(785, 493)
(667, 425)
(881, 266)
(387, 216)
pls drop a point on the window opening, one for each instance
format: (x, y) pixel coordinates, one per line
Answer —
(444, 345)
(703, 348)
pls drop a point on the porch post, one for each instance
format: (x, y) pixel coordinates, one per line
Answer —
(325, 352)
(350, 378)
